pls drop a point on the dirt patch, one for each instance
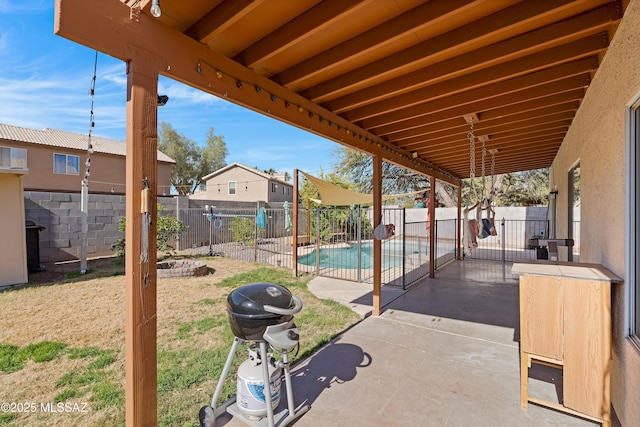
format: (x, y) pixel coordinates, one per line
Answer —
(92, 312)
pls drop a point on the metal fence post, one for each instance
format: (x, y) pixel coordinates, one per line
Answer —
(404, 245)
(317, 241)
(435, 246)
(255, 234)
(359, 233)
(504, 239)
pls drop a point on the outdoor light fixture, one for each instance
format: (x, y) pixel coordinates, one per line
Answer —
(162, 100)
(155, 8)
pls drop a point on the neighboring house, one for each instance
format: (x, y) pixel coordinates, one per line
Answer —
(13, 252)
(57, 161)
(241, 183)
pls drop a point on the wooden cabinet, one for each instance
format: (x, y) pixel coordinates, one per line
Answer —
(565, 322)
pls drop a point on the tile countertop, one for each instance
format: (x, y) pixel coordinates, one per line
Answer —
(565, 269)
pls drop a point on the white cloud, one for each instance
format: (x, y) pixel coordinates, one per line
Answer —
(184, 93)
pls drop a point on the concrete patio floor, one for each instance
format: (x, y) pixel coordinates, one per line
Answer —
(443, 353)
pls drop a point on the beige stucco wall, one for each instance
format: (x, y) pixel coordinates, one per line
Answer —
(250, 187)
(107, 171)
(13, 245)
(597, 140)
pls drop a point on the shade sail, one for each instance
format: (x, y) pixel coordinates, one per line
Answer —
(332, 195)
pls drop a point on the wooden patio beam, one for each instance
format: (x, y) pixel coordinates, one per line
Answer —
(304, 26)
(524, 126)
(510, 153)
(593, 22)
(524, 104)
(106, 26)
(220, 18)
(374, 39)
(560, 78)
(458, 105)
(497, 26)
(505, 122)
(525, 141)
(573, 54)
(445, 145)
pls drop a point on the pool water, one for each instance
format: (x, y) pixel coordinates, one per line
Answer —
(347, 257)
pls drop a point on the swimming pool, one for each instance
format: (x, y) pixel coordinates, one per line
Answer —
(347, 257)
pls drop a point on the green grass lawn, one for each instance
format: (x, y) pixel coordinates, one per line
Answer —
(191, 356)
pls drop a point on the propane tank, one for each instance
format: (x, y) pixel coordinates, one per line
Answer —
(250, 386)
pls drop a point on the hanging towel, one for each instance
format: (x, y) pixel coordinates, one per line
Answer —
(287, 217)
(261, 218)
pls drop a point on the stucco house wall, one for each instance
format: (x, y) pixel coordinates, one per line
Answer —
(597, 141)
(107, 165)
(251, 185)
(13, 246)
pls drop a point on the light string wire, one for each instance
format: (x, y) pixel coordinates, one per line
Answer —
(92, 91)
(381, 143)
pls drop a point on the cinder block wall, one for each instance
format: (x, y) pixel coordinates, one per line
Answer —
(60, 214)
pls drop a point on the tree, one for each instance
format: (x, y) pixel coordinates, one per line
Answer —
(273, 172)
(512, 189)
(357, 167)
(192, 161)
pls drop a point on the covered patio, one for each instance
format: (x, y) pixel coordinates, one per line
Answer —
(444, 353)
(419, 84)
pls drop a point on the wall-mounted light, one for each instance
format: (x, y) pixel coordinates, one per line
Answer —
(162, 100)
(155, 8)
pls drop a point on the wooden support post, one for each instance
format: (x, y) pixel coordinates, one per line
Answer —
(432, 227)
(377, 244)
(294, 236)
(140, 326)
(459, 224)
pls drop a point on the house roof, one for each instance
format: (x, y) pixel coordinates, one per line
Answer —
(250, 169)
(70, 140)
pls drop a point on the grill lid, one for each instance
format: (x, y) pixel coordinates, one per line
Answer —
(258, 300)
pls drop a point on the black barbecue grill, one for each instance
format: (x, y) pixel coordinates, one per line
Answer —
(252, 308)
(261, 315)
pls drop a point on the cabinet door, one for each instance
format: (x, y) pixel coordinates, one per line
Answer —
(587, 346)
(541, 315)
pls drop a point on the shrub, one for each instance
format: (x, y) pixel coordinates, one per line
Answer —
(243, 230)
(168, 230)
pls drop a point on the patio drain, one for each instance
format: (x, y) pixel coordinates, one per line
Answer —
(181, 268)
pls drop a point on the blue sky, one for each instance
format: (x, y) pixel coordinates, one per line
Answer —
(45, 79)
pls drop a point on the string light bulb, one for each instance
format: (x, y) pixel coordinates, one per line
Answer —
(155, 9)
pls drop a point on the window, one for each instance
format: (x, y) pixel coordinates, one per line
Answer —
(633, 260)
(232, 187)
(573, 210)
(13, 158)
(274, 187)
(66, 164)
